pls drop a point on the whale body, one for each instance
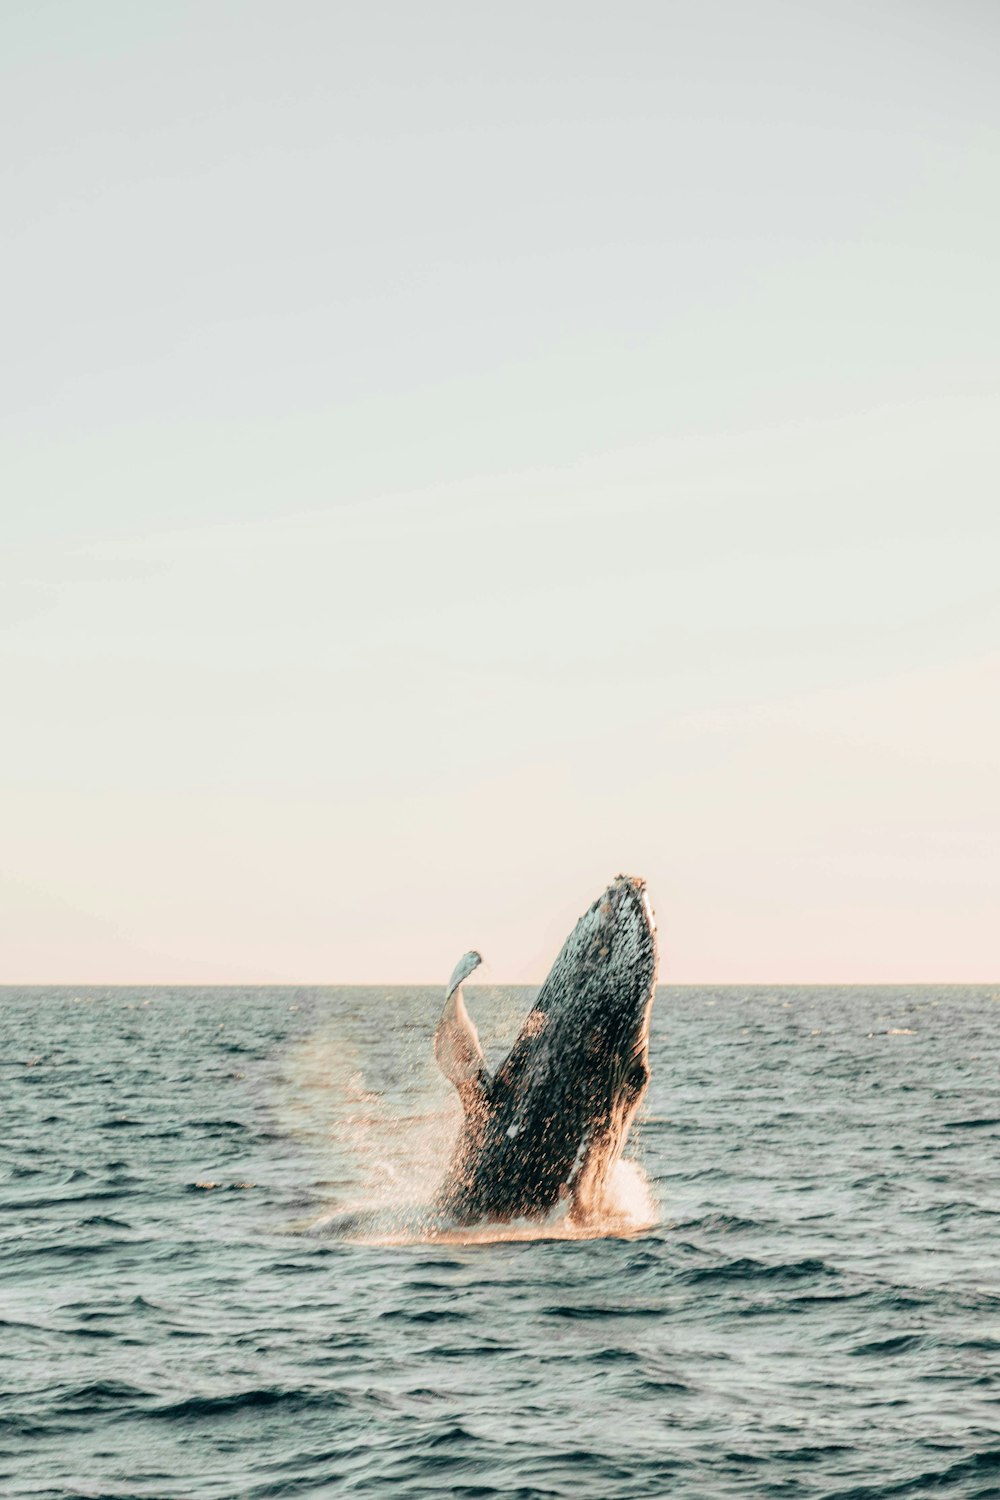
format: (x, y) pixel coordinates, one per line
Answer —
(549, 1125)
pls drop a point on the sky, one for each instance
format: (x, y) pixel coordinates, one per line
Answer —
(451, 454)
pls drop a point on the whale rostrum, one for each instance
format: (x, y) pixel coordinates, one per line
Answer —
(550, 1123)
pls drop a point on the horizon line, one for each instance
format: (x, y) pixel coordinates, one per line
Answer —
(403, 984)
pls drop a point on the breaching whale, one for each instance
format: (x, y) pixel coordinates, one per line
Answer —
(550, 1124)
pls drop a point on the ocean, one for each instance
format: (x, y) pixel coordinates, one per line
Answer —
(800, 1296)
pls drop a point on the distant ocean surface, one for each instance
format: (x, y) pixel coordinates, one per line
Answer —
(815, 1311)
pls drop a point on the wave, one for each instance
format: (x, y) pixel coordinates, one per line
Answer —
(194, 1408)
(900, 1343)
(747, 1269)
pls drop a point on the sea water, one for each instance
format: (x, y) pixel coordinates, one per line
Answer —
(218, 1277)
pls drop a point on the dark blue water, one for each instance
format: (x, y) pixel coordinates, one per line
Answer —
(816, 1312)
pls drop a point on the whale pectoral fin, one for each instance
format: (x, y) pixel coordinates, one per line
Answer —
(456, 1041)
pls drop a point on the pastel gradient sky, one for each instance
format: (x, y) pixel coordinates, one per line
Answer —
(453, 453)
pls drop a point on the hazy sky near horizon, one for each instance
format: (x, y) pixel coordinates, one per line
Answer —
(450, 454)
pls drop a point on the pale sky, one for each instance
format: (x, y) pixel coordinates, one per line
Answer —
(451, 454)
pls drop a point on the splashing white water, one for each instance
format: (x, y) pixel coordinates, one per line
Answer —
(381, 1153)
(375, 1150)
(629, 1209)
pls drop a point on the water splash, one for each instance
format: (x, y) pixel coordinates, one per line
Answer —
(380, 1155)
(630, 1209)
(373, 1148)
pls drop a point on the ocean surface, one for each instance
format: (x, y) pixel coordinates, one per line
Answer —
(802, 1298)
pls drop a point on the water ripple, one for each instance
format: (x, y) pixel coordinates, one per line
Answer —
(220, 1281)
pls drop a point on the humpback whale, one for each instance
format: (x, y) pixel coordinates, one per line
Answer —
(549, 1125)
